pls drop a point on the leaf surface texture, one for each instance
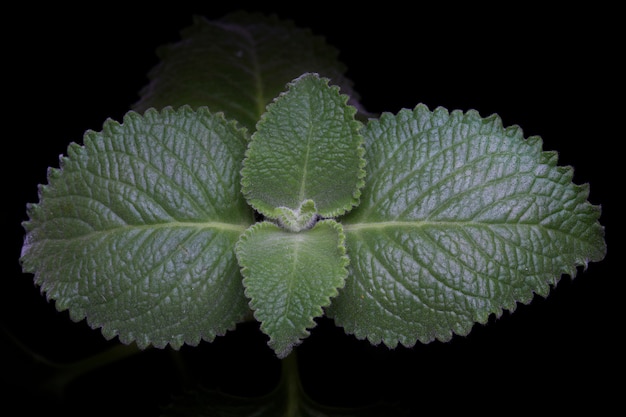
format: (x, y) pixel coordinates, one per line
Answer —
(135, 231)
(460, 218)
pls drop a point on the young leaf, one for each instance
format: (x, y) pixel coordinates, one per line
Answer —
(460, 218)
(135, 231)
(289, 277)
(306, 147)
(237, 65)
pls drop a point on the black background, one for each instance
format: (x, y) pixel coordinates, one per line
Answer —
(553, 72)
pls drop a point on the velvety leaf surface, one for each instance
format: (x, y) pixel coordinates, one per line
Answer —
(460, 218)
(307, 147)
(290, 276)
(238, 64)
(136, 230)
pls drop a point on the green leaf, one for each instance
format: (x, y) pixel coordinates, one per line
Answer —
(136, 230)
(238, 64)
(307, 147)
(300, 219)
(289, 277)
(460, 218)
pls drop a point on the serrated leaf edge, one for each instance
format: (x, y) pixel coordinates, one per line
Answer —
(549, 158)
(357, 126)
(345, 261)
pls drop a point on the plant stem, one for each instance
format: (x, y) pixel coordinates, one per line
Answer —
(63, 374)
(291, 378)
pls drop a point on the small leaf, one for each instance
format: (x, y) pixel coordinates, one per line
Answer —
(304, 217)
(307, 147)
(460, 218)
(238, 64)
(289, 277)
(135, 231)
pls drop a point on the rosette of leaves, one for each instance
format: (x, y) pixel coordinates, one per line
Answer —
(176, 224)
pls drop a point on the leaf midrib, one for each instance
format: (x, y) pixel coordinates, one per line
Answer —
(220, 226)
(358, 227)
(354, 227)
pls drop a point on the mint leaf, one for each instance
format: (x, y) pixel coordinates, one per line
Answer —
(238, 64)
(289, 277)
(307, 147)
(302, 218)
(460, 219)
(135, 231)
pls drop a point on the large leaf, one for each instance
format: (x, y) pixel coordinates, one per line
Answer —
(290, 276)
(460, 218)
(238, 64)
(136, 230)
(307, 149)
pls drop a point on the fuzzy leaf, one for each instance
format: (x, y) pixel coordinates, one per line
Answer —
(290, 276)
(307, 147)
(460, 218)
(238, 64)
(135, 231)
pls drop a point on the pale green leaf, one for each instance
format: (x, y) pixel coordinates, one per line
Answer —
(238, 64)
(299, 219)
(135, 232)
(307, 147)
(460, 218)
(289, 277)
